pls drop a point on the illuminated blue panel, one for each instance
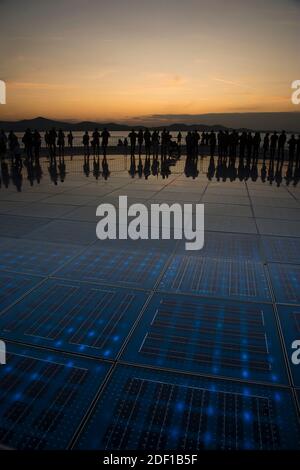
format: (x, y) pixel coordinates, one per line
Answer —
(44, 396)
(156, 411)
(131, 269)
(227, 246)
(237, 279)
(69, 316)
(290, 323)
(222, 338)
(282, 249)
(13, 286)
(35, 257)
(286, 282)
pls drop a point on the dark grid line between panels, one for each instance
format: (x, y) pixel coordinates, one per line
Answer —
(13, 286)
(215, 337)
(226, 245)
(240, 280)
(285, 279)
(74, 317)
(34, 257)
(126, 268)
(281, 249)
(156, 411)
(44, 397)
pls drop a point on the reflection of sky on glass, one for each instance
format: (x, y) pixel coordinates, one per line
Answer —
(95, 59)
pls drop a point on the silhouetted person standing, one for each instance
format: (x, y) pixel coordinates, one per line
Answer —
(86, 144)
(3, 144)
(292, 143)
(105, 135)
(273, 145)
(52, 136)
(256, 147)
(281, 145)
(96, 142)
(132, 137)
(213, 143)
(28, 143)
(61, 143)
(298, 154)
(155, 144)
(147, 139)
(140, 141)
(196, 144)
(249, 146)
(179, 138)
(37, 144)
(266, 146)
(70, 143)
(12, 142)
(243, 143)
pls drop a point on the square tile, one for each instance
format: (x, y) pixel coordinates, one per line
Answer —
(235, 279)
(224, 223)
(281, 249)
(282, 213)
(283, 228)
(286, 282)
(226, 246)
(65, 231)
(122, 268)
(34, 257)
(226, 339)
(17, 226)
(44, 397)
(71, 317)
(212, 209)
(13, 286)
(155, 411)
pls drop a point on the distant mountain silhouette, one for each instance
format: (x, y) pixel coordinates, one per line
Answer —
(260, 121)
(42, 124)
(240, 121)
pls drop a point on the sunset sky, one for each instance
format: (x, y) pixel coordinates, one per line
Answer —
(122, 59)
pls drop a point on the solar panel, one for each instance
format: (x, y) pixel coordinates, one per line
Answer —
(157, 411)
(196, 354)
(237, 279)
(123, 268)
(44, 397)
(222, 338)
(72, 317)
(13, 286)
(286, 282)
(227, 246)
(282, 249)
(35, 257)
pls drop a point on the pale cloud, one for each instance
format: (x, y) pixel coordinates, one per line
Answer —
(37, 86)
(165, 80)
(230, 82)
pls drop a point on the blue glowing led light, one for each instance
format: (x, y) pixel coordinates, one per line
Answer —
(64, 315)
(139, 409)
(202, 335)
(120, 268)
(38, 389)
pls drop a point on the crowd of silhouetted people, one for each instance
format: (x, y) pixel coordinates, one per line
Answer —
(236, 153)
(222, 143)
